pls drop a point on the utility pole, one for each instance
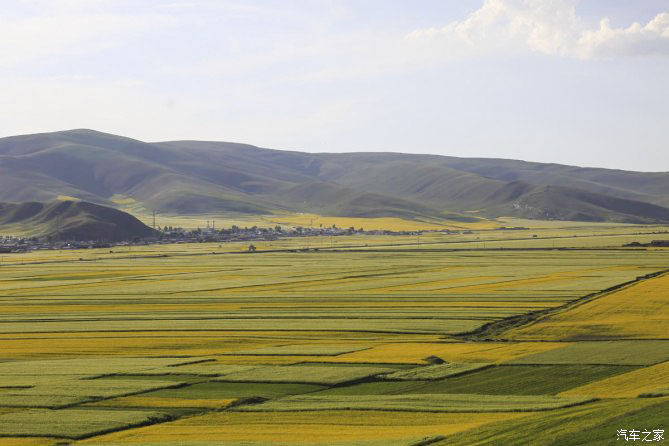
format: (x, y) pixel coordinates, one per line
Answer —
(154, 220)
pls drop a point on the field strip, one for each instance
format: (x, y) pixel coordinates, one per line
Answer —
(593, 423)
(74, 423)
(332, 428)
(497, 329)
(640, 352)
(305, 374)
(351, 248)
(417, 403)
(435, 372)
(70, 394)
(300, 350)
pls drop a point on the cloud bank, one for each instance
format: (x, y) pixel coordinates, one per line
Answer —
(546, 26)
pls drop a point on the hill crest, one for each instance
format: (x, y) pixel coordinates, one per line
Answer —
(191, 177)
(72, 220)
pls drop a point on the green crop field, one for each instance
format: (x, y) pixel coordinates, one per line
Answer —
(500, 380)
(523, 380)
(433, 372)
(595, 423)
(416, 403)
(73, 423)
(307, 374)
(637, 352)
(367, 340)
(228, 390)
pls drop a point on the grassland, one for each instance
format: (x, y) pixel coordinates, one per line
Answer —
(208, 337)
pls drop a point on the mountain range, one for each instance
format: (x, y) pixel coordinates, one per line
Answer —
(196, 177)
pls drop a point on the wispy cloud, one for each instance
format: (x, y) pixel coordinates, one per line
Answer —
(546, 26)
(69, 31)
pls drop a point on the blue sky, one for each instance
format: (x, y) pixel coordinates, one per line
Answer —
(574, 82)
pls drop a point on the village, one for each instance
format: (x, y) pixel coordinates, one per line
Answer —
(169, 235)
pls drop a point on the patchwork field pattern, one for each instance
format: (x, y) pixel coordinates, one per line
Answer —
(73, 423)
(595, 423)
(184, 345)
(638, 311)
(304, 428)
(501, 380)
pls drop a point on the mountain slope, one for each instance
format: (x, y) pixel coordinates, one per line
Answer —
(564, 203)
(71, 220)
(190, 177)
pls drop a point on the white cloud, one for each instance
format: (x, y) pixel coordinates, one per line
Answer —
(653, 38)
(546, 26)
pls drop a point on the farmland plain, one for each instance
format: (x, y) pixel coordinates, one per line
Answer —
(442, 338)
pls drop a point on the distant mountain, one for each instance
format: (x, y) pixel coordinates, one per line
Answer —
(72, 220)
(193, 177)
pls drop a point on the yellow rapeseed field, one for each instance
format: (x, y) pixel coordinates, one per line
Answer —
(34, 441)
(639, 311)
(157, 402)
(628, 385)
(549, 427)
(324, 427)
(138, 314)
(378, 223)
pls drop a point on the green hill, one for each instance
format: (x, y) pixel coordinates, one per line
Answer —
(71, 220)
(191, 177)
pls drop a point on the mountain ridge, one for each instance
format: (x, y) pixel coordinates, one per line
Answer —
(195, 177)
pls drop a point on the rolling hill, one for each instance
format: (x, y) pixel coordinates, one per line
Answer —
(192, 177)
(71, 220)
